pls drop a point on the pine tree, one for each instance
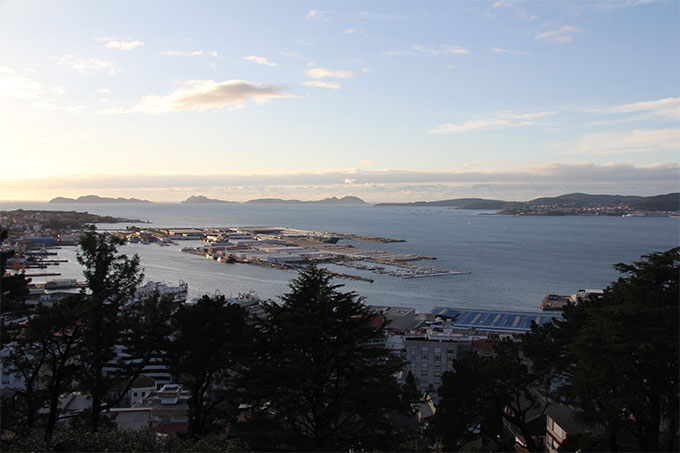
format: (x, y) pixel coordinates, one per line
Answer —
(322, 378)
(209, 342)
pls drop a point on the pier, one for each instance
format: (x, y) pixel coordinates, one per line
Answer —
(290, 249)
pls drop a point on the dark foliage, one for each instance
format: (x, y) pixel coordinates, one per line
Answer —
(210, 341)
(322, 379)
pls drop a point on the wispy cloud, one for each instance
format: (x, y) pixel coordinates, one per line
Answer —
(115, 43)
(321, 84)
(635, 141)
(14, 85)
(523, 15)
(315, 14)
(190, 53)
(84, 65)
(491, 122)
(609, 5)
(203, 95)
(417, 49)
(260, 60)
(563, 34)
(350, 31)
(669, 107)
(508, 51)
(319, 73)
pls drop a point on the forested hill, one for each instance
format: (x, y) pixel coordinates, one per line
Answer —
(572, 203)
(584, 204)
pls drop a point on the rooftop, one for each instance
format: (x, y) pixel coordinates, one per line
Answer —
(496, 321)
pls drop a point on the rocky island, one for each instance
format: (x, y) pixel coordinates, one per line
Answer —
(348, 200)
(97, 199)
(201, 199)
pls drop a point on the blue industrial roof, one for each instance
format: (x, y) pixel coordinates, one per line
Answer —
(492, 320)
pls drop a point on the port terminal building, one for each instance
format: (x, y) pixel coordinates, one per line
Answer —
(494, 321)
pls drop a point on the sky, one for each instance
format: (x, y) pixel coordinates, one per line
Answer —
(388, 101)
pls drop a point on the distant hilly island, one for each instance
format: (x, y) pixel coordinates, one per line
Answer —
(97, 199)
(332, 200)
(563, 204)
(200, 199)
(349, 200)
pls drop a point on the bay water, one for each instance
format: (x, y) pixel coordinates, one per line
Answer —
(514, 261)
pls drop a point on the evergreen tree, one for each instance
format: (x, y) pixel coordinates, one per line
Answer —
(13, 286)
(209, 343)
(19, 406)
(112, 280)
(482, 391)
(618, 356)
(322, 378)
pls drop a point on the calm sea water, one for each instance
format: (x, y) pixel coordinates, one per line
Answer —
(514, 261)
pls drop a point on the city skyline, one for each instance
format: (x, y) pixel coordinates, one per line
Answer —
(388, 101)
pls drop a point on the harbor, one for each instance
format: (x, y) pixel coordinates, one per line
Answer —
(291, 248)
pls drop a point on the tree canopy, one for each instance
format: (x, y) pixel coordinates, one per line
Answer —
(613, 359)
(322, 378)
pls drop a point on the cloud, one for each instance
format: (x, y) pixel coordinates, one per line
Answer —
(563, 34)
(635, 141)
(518, 183)
(183, 53)
(454, 49)
(321, 84)
(512, 52)
(260, 60)
(669, 107)
(85, 65)
(190, 53)
(103, 90)
(417, 50)
(114, 43)
(523, 15)
(319, 73)
(207, 94)
(491, 122)
(499, 3)
(14, 85)
(315, 14)
(350, 31)
(610, 5)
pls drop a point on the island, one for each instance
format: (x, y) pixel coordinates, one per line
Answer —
(347, 200)
(95, 199)
(201, 199)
